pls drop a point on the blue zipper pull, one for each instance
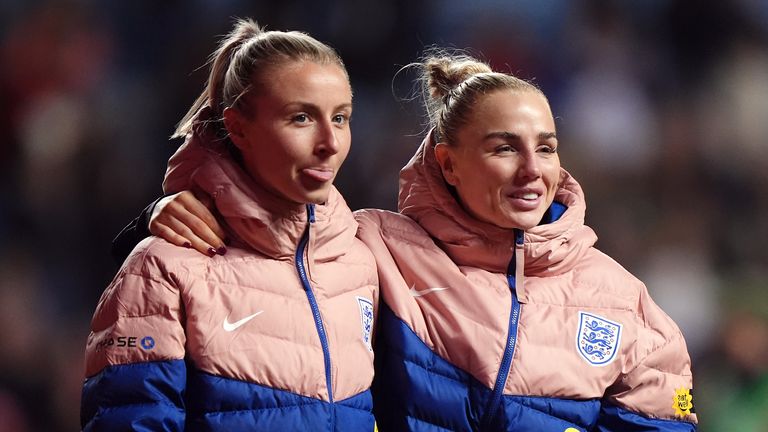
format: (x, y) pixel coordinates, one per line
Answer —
(520, 266)
(519, 237)
(311, 213)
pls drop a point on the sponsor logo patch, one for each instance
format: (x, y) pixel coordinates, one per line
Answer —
(148, 342)
(682, 402)
(598, 339)
(111, 342)
(366, 319)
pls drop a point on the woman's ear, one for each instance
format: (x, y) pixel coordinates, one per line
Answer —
(233, 121)
(445, 158)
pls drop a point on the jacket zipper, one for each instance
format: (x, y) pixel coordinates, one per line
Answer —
(509, 351)
(300, 253)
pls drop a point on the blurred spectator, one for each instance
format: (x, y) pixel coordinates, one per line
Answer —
(733, 385)
(14, 418)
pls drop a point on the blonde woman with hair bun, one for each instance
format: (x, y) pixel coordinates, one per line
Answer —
(497, 312)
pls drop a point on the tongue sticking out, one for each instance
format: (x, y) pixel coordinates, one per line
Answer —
(318, 174)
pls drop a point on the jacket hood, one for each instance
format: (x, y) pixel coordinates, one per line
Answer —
(255, 216)
(550, 249)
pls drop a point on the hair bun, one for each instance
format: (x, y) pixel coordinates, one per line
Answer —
(445, 73)
(452, 83)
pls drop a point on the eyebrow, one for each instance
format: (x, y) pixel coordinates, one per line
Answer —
(313, 107)
(509, 136)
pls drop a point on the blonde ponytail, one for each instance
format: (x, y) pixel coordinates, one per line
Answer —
(219, 60)
(236, 64)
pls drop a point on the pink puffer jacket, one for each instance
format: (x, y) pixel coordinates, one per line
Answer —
(274, 335)
(471, 338)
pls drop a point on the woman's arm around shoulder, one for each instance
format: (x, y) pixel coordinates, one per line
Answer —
(182, 219)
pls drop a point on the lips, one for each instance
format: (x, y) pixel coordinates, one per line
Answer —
(320, 174)
(525, 199)
(528, 196)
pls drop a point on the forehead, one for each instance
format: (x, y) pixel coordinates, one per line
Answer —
(513, 111)
(305, 80)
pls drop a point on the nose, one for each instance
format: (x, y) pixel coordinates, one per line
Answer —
(327, 143)
(529, 166)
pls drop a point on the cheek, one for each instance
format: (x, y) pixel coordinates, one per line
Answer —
(467, 166)
(269, 161)
(552, 175)
(284, 150)
(484, 188)
(492, 178)
(345, 144)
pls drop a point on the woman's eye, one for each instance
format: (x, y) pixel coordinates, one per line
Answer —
(548, 149)
(504, 148)
(340, 119)
(301, 118)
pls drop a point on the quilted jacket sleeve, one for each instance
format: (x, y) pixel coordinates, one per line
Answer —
(135, 370)
(655, 393)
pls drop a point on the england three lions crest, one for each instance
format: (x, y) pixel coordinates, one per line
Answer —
(366, 320)
(598, 339)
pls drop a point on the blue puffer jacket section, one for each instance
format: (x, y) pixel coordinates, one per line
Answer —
(416, 390)
(155, 402)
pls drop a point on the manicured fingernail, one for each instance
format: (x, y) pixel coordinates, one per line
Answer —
(222, 250)
(211, 251)
(187, 245)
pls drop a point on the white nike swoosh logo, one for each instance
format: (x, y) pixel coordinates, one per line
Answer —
(416, 293)
(228, 326)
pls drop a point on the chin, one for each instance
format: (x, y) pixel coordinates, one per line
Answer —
(317, 197)
(524, 223)
(525, 226)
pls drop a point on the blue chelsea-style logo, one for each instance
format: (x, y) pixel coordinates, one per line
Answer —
(598, 339)
(147, 342)
(366, 320)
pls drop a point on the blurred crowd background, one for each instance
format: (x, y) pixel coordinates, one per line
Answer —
(662, 114)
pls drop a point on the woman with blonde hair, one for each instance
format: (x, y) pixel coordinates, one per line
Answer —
(274, 333)
(498, 313)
